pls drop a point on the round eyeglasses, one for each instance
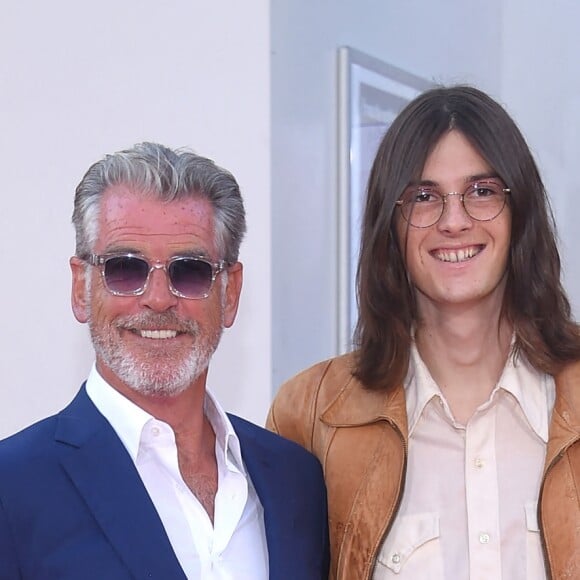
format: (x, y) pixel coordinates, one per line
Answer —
(423, 205)
(128, 274)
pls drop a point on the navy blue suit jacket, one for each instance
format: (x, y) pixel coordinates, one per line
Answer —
(72, 504)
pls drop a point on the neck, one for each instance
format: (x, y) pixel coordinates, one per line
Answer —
(183, 412)
(465, 353)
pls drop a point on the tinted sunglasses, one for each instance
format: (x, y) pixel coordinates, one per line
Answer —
(128, 274)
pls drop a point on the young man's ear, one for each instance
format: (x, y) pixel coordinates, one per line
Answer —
(79, 294)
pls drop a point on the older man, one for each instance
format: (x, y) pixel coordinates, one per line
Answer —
(144, 475)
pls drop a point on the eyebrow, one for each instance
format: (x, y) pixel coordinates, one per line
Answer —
(469, 179)
(195, 253)
(118, 249)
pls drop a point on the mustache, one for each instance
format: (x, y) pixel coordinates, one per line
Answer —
(153, 321)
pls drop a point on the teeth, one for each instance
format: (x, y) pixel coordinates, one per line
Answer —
(458, 256)
(158, 334)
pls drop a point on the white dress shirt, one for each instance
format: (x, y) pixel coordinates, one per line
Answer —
(469, 507)
(235, 545)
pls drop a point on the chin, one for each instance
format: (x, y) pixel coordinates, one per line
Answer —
(158, 388)
(170, 382)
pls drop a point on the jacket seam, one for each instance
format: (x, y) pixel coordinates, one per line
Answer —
(314, 404)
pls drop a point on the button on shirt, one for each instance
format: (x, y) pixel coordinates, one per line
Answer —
(471, 492)
(235, 545)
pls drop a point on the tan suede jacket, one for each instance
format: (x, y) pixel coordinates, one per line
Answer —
(360, 437)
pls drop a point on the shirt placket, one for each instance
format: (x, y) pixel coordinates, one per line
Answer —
(482, 496)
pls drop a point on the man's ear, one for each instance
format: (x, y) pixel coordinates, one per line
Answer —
(79, 294)
(233, 291)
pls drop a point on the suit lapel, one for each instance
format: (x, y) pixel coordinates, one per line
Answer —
(269, 483)
(104, 474)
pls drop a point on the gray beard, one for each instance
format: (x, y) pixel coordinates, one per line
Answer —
(156, 376)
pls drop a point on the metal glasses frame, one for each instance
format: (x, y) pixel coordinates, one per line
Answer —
(444, 196)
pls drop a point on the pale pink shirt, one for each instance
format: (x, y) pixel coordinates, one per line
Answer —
(235, 545)
(469, 507)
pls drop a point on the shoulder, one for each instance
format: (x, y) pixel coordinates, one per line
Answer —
(266, 441)
(335, 369)
(330, 376)
(569, 376)
(301, 399)
(568, 391)
(28, 460)
(262, 447)
(29, 442)
(33, 448)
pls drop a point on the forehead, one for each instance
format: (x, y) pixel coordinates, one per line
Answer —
(131, 220)
(454, 158)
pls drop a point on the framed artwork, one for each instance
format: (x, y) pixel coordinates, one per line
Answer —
(370, 95)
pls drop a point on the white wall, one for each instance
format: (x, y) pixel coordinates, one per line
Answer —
(79, 80)
(445, 41)
(253, 85)
(541, 87)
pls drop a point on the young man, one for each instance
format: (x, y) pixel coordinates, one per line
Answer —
(144, 475)
(449, 438)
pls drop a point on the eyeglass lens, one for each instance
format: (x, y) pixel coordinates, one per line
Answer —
(190, 277)
(128, 275)
(482, 201)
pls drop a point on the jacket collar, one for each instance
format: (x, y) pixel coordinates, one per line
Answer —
(356, 405)
(105, 476)
(565, 423)
(289, 524)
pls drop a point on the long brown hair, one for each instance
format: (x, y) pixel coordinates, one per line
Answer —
(534, 301)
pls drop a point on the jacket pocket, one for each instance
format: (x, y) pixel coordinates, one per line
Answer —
(412, 549)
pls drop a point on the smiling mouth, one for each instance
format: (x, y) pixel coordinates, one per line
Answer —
(157, 334)
(461, 255)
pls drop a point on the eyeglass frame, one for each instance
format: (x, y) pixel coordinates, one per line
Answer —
(99, 261)
(472, 186)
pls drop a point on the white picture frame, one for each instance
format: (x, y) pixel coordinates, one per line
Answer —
(371, 93)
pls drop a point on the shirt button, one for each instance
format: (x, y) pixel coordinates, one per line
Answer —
(155, 431)
(396, 558)
(478, 462)
(484, 538)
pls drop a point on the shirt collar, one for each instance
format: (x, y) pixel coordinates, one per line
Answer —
(420, 388)
(534, 391)
(226, 437)
(128, 419)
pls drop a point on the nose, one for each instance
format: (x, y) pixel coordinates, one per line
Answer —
(454, 217)
(158, 295)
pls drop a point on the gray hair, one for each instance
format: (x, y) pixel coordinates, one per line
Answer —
(166, 175)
